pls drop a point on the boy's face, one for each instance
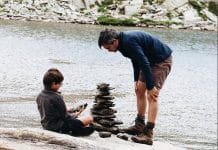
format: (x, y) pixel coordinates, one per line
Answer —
(55, 86)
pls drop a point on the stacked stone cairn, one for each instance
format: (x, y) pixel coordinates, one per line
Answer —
(104, 115)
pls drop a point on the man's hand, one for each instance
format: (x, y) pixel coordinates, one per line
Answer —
(136, 86)
(153, 93)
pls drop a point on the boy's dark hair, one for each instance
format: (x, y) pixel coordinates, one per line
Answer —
(107, 36)
(52, 75)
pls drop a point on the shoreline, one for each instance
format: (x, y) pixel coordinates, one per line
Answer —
(33, 138)
(167, 14)
(23, 20)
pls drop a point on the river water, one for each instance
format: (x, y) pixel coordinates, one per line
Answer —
(188, 101)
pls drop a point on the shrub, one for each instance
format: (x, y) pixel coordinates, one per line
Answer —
(109, 20)
(213, 7)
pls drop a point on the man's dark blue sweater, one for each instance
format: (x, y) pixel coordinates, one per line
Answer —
(144, 50)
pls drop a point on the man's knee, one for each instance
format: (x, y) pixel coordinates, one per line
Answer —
(140, 92)
(152, 99)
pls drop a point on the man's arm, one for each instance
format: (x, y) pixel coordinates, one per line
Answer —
(136, 53)
(135, 70)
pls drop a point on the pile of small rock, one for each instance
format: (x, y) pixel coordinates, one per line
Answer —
(104, 119)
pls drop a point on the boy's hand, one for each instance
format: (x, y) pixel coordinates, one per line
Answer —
(80, 108)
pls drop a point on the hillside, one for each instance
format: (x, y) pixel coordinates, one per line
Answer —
(178, 14)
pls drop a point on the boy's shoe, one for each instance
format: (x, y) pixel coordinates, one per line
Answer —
(86, 131)
(136, 129)
(144, 138)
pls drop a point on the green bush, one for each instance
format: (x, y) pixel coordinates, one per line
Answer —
(213, 7)
(107, 2)
(197, 5)
(103, 7)
(109, 20)
(164, 23)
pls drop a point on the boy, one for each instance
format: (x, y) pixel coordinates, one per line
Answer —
(53, 112)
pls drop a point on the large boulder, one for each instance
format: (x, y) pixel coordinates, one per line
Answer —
(191, 16)
(34, 139)
(210, 15)
(133, 7)
(173, 4)
(84, 4)
(79, 4)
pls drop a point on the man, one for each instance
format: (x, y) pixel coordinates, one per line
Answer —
(151, 60)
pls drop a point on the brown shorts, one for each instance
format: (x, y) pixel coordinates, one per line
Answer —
(160, 72)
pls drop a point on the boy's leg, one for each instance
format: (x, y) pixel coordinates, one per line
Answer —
(76, 127)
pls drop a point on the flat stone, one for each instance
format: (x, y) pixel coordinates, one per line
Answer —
(109, 122)
(103, 93)
(105, 123)
(102, 85)
(99, 127)
(117, 122)
(104, 134)
(103, 105)
(123, 136)
(103, 117)
(105, 97)
(103, 101)
(104, 111)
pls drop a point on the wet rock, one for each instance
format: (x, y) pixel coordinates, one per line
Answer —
(104, 134)
(98, 117)
(106, 123)
(105, 97)
(104, 105)
(109, 123)
(104, 111)
(99, 127)
(104, 93)
(123, 136)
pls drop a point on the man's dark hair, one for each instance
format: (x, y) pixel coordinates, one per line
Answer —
(52, 75)
(107, 36)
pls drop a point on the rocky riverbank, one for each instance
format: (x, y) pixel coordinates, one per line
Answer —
(34, 139)
(177, 14)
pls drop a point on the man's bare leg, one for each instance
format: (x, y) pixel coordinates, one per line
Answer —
(153, 108)
(139, 126)
(140, 91)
